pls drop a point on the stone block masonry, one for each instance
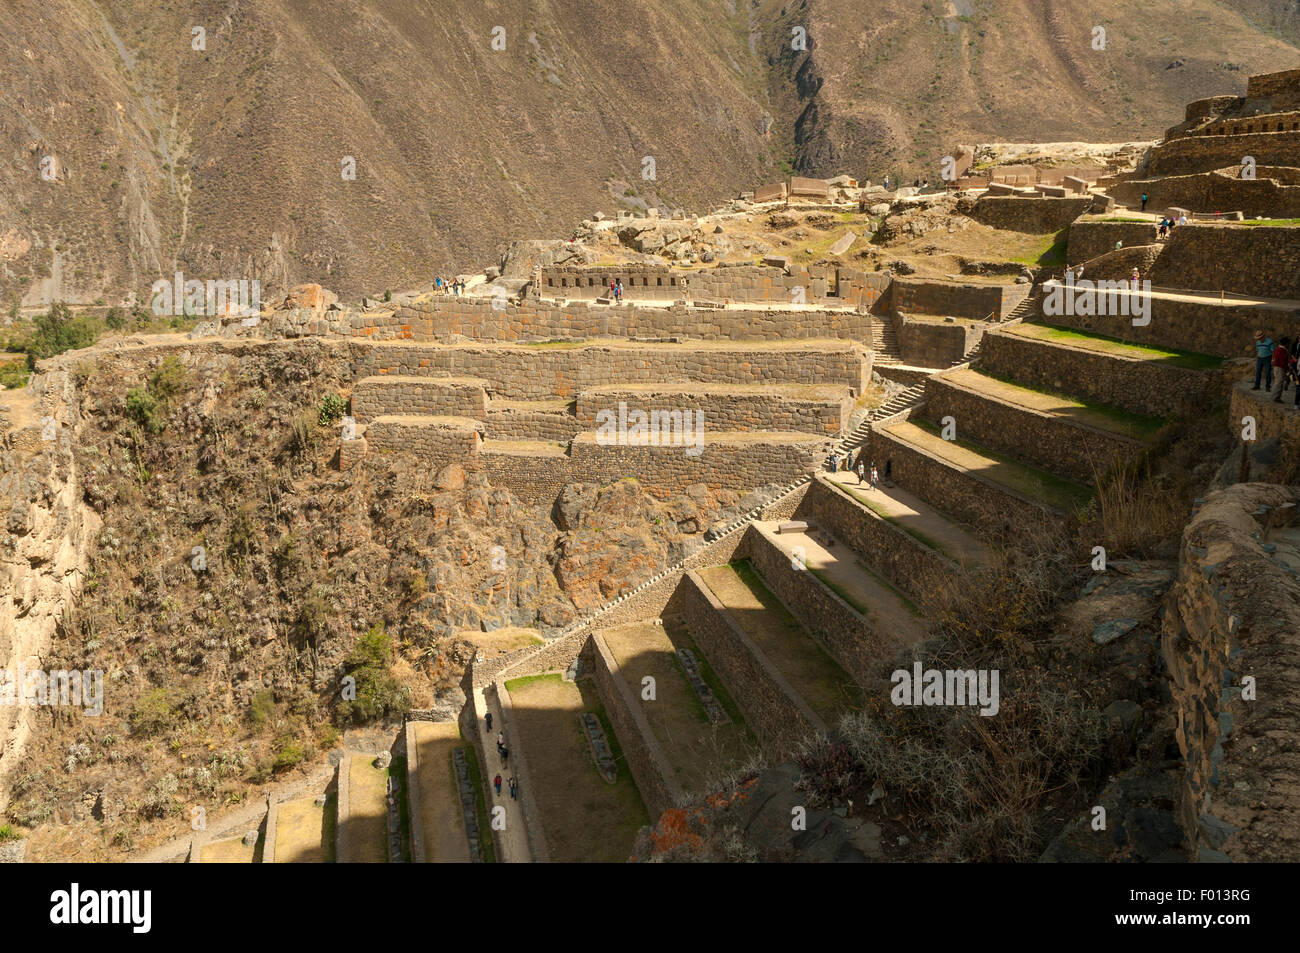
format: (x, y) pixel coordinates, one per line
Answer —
(929, 342)
(897, 555)
(956, 298)
(476, 319)
(994, 510)
(842, 631)
(1090, 239)
(1141, 386)
(435, 441)
(537, 373)
(1034, 215)
(1249, 260)
(781, 720)
(444, 397)
(1061, 445)
(1233, 614)
(1280, 421)
(651, 770)
(1207, 153)
(1203, 326)
(516, 423)
(722, 408)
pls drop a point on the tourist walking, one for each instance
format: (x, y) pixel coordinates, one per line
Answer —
(862, 472)
(1144, 201)
(1263, 360)
(835, 462)
(875, 477)
(505, 755)
(618, 290)
(1135, 280)
(496, 782)
(488, 719)
(514, 788)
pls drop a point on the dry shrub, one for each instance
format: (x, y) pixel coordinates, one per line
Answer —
(1136, 514)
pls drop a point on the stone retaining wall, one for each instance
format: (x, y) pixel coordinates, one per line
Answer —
(654, 776)
(937, 343)
(781, 720)
(1034, 215)
(1090, 239)
(1063, 446)
(432, 442)
(1143, 387)
(1250, 260)
(989, 507)
(956, 298)
(894, 553)
(527, 373)
(1225, 330)
(476, 319)
(1206, 153)
(1214, 192)
(516, 424)
(845, 634)
(1234, 612)
(1278, 421)
(738, 411)
(376, 397)
(342, 832)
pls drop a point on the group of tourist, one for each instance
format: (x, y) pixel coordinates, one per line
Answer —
(616, 289)
(1280, 360)
(449, 286)
(512, 783)
(1167, 225)
(860, 468)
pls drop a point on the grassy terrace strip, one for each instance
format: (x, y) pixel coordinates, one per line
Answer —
(487, 849)
(1101, 416)
(1098, 342)
(1047, 488)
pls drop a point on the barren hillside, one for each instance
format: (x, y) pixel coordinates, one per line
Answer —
(228, 161)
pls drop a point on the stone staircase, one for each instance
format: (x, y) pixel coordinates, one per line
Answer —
(884, 342)
(905, 399)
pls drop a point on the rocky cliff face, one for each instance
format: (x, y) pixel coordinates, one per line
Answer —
(44, 543)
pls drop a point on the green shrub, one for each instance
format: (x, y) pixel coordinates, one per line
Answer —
(14, 374)
(57, 331)
(377, 690)
(153, 713)
(115, 320)
(168, 379)
(262, 708)
(7, 832)
(142, 407)
(331, 410)
(288, 753)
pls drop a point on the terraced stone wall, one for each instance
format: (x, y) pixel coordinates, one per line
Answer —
(955, 298)
(478, 320)
(758, 690)
(1090, 239)
(424, 396)
(896, 555)
(1073, 450)
(740, 411)
(537, 373)
(1143, 387)
(936, 343)
(654, 776)
(840, 629)
(1034, 215)
(1207, 153)
(1214, 192)
(1250, 260)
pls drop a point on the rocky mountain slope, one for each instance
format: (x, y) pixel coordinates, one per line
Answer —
(228, 161)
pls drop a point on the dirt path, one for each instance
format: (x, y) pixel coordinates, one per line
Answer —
(913, 514)
(512, 843)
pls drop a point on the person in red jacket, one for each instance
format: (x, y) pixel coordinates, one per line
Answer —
(1281, 363)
